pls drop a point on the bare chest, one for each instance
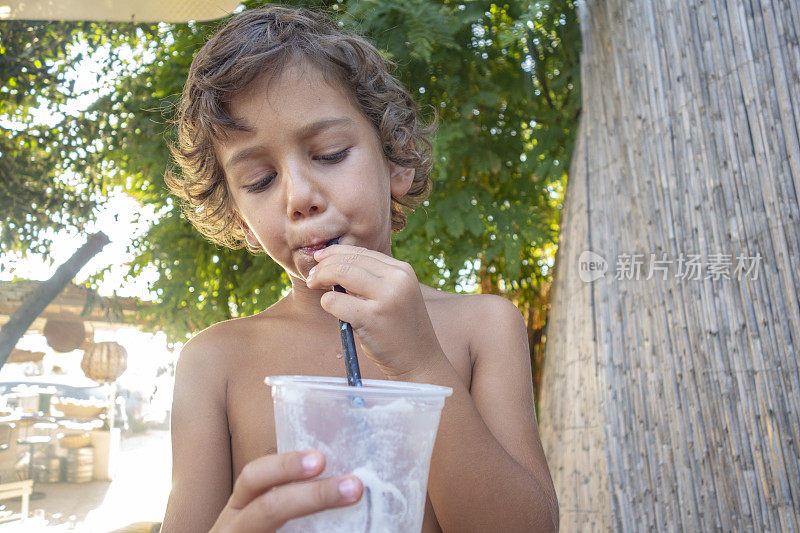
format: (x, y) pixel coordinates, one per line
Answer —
(249, 401)
(250, 411)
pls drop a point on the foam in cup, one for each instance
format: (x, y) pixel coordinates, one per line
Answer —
(387, 443)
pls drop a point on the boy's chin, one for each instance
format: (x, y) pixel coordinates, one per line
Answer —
(303, 266)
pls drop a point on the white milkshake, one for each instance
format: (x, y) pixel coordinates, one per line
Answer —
(387, 443)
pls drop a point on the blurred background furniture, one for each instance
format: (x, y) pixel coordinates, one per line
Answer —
(18, 489)
(32, 442)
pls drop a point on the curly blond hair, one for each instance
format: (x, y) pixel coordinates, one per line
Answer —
(266, 40)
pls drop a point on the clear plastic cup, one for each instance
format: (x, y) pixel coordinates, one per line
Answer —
(382, 432)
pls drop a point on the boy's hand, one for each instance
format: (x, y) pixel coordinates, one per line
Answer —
(265, 497)
(383, 303)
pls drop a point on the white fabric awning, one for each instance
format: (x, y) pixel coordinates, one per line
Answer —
(117, 10)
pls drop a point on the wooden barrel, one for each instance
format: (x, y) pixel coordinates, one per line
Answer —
(80, 464)
(51, 471)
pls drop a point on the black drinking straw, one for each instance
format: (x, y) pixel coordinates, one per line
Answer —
(348, 342)
(353, 378)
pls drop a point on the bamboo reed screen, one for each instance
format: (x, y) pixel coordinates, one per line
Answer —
(673, 403)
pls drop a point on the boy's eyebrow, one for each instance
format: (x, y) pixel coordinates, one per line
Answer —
(309, 130)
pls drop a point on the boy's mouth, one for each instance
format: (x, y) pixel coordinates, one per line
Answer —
(317, 245)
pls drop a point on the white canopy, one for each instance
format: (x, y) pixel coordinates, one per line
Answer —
(117, 10)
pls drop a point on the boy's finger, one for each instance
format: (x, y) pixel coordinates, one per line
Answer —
(347, 307)
(366, 259)
(359, 278)
(345, 249)
(273, 509)
(264, 473)
(383, 265)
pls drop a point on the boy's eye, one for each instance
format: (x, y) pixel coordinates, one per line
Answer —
(261, 184)
(333, 158)
(267, 180)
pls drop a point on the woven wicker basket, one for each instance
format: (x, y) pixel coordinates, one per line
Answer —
(75, 441)
(105, 361)
(78, 409)
(64, 335)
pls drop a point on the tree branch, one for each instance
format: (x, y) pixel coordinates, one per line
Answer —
(39, 299)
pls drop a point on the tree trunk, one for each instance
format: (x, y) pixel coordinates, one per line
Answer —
(39, 299)
(673, 402)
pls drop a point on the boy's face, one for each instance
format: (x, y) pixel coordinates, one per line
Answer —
(311, 169)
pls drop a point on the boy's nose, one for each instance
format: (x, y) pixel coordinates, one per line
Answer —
(303, 198)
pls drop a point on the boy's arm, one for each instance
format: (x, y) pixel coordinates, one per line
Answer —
(488, 470)
(201, 454)
(266, 493)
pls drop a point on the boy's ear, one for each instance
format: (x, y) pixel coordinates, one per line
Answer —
(249, 236)
(400, 179)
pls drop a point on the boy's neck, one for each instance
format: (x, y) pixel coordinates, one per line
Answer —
(306, 302)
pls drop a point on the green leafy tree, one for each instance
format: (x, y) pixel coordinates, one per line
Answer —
(503, 81)
(37, 65)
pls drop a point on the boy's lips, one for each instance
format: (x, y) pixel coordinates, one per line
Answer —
(309, 250)
(313, 246)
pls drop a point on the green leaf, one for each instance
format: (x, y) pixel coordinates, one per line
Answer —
(474, 224)
(455, 227)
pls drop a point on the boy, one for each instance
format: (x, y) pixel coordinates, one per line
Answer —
(293, 133)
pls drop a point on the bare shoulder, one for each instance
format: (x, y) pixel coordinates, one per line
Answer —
(206, 361)
(481, 313)
(480, 323)
(226, 332)
(219, 343)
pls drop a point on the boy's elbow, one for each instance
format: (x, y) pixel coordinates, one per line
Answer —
(547, 515)
(554, 509)
(544, 522)
(554, 516)
(539, 518)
